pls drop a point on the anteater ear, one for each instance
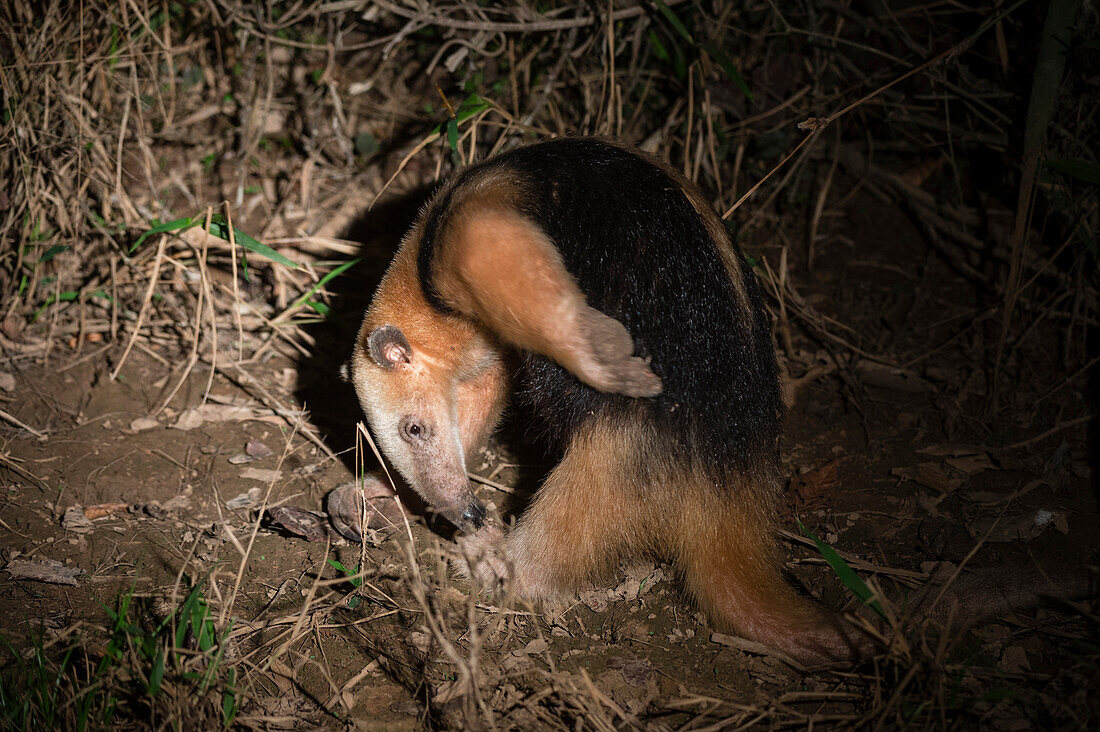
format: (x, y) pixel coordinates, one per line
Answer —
(388, 347)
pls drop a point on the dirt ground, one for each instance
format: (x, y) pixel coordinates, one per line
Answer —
(897, 467)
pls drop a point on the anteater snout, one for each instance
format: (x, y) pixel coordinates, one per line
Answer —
(474, 515)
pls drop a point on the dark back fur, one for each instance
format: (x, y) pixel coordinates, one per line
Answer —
(642, 255)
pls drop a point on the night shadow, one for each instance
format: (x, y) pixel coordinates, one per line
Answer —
(331, 401)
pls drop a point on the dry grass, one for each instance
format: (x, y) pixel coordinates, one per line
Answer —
(271, 127)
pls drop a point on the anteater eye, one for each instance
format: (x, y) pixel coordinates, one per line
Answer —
(414, 431)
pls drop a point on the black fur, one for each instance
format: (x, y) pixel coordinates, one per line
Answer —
(642, 255)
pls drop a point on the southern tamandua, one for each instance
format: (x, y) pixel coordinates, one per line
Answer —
(594, 287)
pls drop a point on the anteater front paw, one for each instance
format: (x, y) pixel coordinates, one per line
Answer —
(482, 558)
(609, 364)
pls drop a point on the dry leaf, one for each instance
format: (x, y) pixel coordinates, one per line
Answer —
(179, 503)
(954, 450)
(261, 474)
(75, 521)
(257, 450)
(103, 509)
(929, 475)
(971, 464)
(596, 601)
(1014, 660)
(43, 570)
(636, 671)
(418, 640)
(815, 488)
(141, 424)
(310, 525)
(197, 416)
(243, 500)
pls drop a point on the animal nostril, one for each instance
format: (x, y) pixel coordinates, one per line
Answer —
(474, 514)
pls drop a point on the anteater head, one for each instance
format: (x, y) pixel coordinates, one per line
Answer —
(408, 397)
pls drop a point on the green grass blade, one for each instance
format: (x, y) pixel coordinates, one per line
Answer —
(229, 699)
(659, 49)
(674, 21)
(220, 229)
(202, 625)
(846, 574)
(53, 252)
(724, 61)
(1079, 169)
(177, 225)
(156, 676)
(67, 296)
(324, 281)
(452, 134)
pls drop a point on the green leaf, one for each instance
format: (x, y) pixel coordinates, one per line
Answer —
(53, 252)
(659, 49)
(1079, 169)
(157, 674)
(177, 225)
(674, 21)
(724, 61)
(229, 699)
(349, 573)
(220, 229)
(998, 693)
(846, 574)
(470, 106)
(67, 296)
(365, 144)
(322, 282)
(452, 134)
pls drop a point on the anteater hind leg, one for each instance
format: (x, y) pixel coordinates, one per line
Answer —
(587, 513)
(725, 542)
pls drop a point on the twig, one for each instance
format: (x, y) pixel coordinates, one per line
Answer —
(14, 420)
(430, 17)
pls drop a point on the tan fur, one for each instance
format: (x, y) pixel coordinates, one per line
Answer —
(617, 490)
(589, 512)
(501, 270)
(597, 506)
(725, 544)
(456, 376)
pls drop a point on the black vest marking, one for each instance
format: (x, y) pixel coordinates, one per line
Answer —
(642, 254)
